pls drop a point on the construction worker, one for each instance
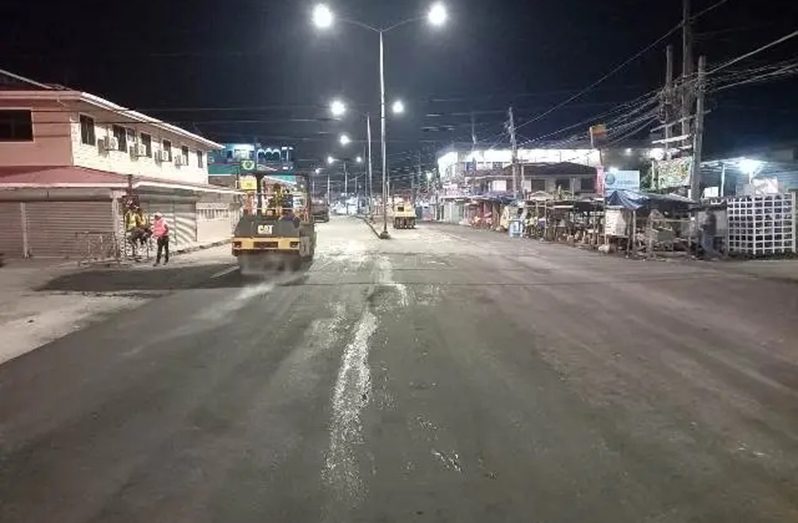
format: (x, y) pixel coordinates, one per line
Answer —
(160, 231)
(135, 226)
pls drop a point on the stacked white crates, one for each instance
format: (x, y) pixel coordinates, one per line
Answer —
(762, 225)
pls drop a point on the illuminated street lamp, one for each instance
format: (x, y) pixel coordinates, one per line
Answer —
(345, 140)
(359, 159)
(337, 108)
(437, 14)
(323, 18)
(330, 160)
(398, 107)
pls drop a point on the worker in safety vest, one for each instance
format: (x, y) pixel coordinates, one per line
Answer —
(135, 227)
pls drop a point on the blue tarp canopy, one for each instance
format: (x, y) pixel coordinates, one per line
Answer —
(635, 200)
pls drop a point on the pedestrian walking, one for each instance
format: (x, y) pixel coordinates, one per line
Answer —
(160, 231)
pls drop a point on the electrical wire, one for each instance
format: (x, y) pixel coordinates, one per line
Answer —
(754, 52)
(603, 78)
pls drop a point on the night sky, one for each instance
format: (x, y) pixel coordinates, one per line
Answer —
(249, 69)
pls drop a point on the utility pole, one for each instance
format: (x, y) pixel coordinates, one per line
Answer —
(473, 133)
(514, 144)
(417, 179)
(668, 99)
(328, 187)
(346, 189)
(687, 66)
(346, 180)
(698, 135)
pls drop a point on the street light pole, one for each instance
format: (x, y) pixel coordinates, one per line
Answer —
(371, 177)
(383, 144)
(323, 18)
(346, 189)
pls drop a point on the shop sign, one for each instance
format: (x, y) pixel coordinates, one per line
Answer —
(626, 180)
(248, 183)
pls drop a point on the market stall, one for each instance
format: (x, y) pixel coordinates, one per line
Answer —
(648, 222)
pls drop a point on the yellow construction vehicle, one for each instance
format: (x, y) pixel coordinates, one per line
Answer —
(404, 216)
(277, 228)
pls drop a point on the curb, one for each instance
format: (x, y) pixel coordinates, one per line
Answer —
(204, 246)
(367, 222)
(125, 262)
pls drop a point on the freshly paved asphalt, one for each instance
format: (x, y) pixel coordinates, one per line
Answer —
(445, 375)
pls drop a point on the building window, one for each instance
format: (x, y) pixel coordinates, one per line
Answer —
(200, 160)
(16, 126)
(538, 184)
(167, 147)
(563, 184)
(588, 184)
(121, 137)
(131, 136)
(146, 141)
(184, 152)
(87, 135)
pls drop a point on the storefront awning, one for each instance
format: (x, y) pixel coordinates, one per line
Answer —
(70, 177)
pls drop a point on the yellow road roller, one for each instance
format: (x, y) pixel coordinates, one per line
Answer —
(276, 229)
(404, 216)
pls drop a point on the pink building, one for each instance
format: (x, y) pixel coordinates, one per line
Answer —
(68, 160)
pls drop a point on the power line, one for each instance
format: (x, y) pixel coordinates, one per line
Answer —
(603, 78)
(755, 51)
(708, 9)
(619, 67)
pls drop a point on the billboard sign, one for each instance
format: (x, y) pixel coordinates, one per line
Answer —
(673, 173)
(626, 180)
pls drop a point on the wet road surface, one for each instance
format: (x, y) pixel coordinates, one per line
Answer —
(445, 375)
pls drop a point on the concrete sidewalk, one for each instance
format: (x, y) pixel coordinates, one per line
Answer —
(31, 317)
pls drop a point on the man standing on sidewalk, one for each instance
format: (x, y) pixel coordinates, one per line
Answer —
(160, 231)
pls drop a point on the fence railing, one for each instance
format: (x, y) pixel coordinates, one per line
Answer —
(103, 246)
(98, 246)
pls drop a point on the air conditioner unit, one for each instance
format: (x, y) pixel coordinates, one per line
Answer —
(141, 150)
(179, 161)
(108, 143)
(164, 156)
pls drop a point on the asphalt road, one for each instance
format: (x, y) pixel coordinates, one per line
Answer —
(445, 375)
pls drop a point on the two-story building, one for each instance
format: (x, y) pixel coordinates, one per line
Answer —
(69, 159)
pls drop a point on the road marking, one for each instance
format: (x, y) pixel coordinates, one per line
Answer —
(224, 272)
(350, 396)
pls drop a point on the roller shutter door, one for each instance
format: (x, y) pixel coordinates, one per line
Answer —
(11, 244)
(184, 225)
(55, 228)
